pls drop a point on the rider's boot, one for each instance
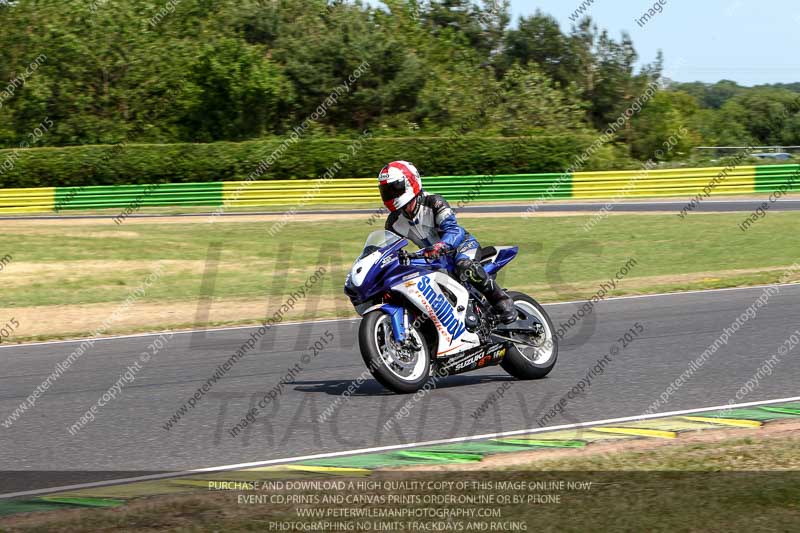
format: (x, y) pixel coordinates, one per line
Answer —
(474, 273)
(501, 302)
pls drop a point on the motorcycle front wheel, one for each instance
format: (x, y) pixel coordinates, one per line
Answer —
(398, 368)
(531, 362)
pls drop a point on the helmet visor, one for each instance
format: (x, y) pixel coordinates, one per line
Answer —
(392, 190)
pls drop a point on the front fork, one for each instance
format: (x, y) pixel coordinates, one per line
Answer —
(399, 317)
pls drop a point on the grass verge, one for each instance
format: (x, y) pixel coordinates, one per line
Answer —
(715, 481)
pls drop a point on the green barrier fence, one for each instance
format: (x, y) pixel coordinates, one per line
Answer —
(363, 191)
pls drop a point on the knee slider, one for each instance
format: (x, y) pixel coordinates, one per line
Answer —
(462, 269)
(473, 272)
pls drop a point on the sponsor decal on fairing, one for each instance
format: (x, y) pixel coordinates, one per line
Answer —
(443, 311)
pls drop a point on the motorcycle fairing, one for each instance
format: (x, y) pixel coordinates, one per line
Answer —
(501, 258)
(426, 293)
(378, 270)
(474, 358)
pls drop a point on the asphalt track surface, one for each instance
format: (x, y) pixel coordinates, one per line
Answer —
(709, 206)
(129, 435)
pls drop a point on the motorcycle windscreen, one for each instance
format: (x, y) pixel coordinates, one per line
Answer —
(377, 240)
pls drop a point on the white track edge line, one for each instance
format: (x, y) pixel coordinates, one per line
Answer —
(680, 293)
(176, 332)
(326, 320)
(390, 447)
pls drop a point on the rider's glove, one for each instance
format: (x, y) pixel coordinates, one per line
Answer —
(435, 251)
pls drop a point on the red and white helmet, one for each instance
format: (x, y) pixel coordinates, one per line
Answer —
(399, 183)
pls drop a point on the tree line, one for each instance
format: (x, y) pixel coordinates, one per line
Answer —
(202, 71)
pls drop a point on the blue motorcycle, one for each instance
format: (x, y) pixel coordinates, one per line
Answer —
(419, 322)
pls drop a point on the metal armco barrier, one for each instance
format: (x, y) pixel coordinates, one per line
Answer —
(580, 185)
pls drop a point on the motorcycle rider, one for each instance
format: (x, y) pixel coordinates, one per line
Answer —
(430, 223)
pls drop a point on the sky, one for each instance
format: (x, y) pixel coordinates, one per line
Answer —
(748, 41)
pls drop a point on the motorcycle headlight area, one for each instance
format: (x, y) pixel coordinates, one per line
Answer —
(362, 267)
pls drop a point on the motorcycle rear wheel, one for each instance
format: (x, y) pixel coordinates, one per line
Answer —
(532, 363)
(398, 369)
